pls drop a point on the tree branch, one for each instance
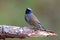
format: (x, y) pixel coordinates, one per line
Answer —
(22, 32)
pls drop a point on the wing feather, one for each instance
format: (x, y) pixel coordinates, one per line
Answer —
(34, 20)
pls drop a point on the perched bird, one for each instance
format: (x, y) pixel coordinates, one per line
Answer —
(32, 19)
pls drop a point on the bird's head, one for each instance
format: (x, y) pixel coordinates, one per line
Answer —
(28, 11)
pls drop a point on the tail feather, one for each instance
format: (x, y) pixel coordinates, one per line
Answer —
(41, 27)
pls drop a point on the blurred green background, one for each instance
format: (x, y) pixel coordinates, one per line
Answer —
(48, 12)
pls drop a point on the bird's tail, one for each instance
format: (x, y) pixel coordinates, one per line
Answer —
(41, 27)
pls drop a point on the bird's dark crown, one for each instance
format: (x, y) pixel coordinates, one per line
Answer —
(28, 11)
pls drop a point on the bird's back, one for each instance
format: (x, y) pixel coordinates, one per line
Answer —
(32, 19)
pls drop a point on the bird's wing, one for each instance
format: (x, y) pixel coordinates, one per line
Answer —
(34, 20)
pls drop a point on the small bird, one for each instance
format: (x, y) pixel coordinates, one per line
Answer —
(32, 19)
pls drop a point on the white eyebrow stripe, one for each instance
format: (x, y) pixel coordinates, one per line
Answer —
(29, 8)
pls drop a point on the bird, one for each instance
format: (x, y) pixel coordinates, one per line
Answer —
(31, 19)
